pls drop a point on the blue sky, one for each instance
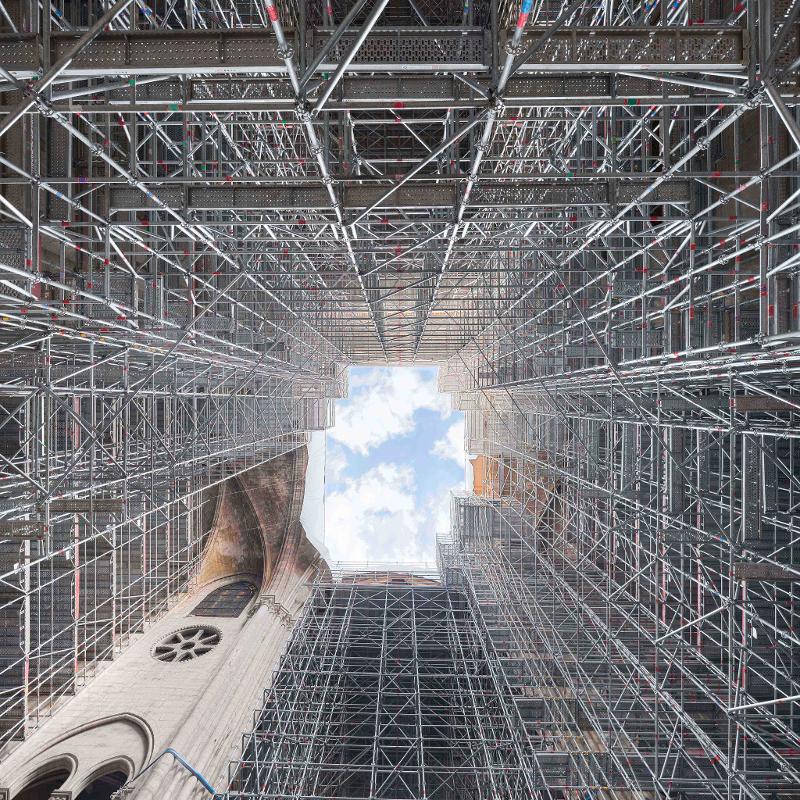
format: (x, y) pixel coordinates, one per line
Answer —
(392, 458)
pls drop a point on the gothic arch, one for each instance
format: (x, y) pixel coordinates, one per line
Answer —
(120, 764)
(236, 545)
(123, 741)
(61, 767)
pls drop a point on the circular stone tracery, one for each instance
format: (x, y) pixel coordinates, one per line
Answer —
(187, 644)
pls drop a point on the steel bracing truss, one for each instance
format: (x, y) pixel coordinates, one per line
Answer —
(388, 689)
(586, 213)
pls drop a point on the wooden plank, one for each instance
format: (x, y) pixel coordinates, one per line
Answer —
(82, 505)
(749, 571)
(759, 402)
(22, 529)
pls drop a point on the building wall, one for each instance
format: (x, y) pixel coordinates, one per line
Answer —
(139, 705)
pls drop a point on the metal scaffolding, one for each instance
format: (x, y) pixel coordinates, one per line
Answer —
(108, 459)
(586, 213)
(636, 695)
(135, 375)
(388, 689)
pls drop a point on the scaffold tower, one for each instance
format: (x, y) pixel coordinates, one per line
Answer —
(387, 689)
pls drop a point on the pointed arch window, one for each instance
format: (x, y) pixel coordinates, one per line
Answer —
(226, 601)
(41, 788)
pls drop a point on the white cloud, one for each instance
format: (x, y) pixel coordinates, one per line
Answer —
(388, 512)
(440, 511)
(375, 518)
(335, 462)
(451, 445)
(382, 405)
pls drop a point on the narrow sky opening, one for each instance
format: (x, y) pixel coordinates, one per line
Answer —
(391, 460)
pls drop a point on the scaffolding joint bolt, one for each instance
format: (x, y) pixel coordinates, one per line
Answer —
(303, 111)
